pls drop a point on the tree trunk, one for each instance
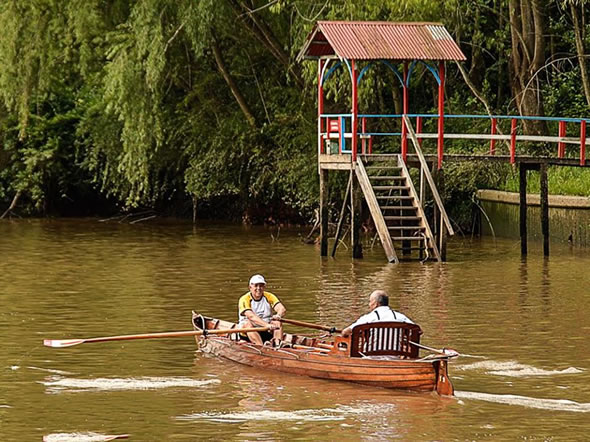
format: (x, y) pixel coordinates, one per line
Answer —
(232, 85)
(579, 35)
(12, 204)
(264, 34)
(527, 58)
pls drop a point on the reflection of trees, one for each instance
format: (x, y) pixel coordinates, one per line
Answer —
(419, 291)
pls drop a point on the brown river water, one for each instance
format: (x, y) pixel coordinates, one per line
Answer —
(522, 326)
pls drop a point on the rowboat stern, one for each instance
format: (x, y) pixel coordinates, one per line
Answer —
(444, 386)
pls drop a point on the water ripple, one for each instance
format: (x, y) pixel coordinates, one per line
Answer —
(57, 384)
(325, 414)
(529, 402)
(515, 369)
(82, 437)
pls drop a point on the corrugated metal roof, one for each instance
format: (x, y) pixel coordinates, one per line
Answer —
(381, 40)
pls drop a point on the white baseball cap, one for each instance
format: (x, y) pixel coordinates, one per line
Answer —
(257, 279)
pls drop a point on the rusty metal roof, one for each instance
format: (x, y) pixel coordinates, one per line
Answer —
(380, 41)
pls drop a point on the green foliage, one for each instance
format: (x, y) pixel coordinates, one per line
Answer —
(125, 99)
(560, 180)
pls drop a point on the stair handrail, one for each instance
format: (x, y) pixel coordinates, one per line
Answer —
(427, 174)
(428, 234)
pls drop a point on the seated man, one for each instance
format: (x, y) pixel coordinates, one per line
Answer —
(380, 312)
(255, 310)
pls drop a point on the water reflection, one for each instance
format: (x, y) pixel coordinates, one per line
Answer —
(527, 320)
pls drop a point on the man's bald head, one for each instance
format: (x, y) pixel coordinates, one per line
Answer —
(379, 298)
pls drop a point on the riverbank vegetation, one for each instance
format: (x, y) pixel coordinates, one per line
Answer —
(198, 107)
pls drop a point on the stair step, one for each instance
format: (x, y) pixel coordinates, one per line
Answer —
(406, 228)
(407, 238)
(386, 177)
(401, 208)
(401, 218)
(393, 187)
(384, 167)
(390, 187)
(393, 207)
(397, 197)
(394, 197)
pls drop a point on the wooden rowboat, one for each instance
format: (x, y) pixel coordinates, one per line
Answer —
(382, 354)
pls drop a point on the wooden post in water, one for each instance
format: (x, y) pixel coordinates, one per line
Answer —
(544, 208)
(443, 228)
(323, 212)
(356, 199)
(342, 214)
(523, 209)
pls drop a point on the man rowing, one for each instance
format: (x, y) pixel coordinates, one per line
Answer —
(255, 309)
(380, 312)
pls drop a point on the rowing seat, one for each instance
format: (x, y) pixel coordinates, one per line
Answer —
(385, 338)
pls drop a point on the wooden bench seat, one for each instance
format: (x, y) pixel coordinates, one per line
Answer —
(385, 338)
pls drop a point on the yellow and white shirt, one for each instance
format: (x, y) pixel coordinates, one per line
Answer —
(262, 308)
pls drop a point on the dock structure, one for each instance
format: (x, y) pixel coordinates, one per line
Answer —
(395, 185)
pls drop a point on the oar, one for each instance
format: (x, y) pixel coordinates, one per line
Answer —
(445, 351)
(310, 325)
(71, 342)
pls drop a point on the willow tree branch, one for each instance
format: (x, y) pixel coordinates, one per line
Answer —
(235, 90)
(12, 204)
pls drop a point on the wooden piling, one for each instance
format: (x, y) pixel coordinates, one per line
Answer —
(442, 229)
(544, 208)
(356, 199)
(323, 212)
(523, 208)
(342, 215)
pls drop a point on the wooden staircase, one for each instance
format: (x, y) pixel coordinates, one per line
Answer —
(396, 209)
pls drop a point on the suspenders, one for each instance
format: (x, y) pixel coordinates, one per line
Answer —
(379, 318)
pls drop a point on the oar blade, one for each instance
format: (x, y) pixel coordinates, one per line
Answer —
(451, 352)
(57, 343)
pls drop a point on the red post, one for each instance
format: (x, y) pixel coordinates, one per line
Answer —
(513, 141)
(419, 129)
(405, 111)
(441, 112)
(494, 132)
(561, 144)
(354, 110)
(340, 135)
(364, 130)
(583, 143)
(321, 147)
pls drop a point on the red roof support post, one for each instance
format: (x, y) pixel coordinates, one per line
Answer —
(320, 106)
(561, 144)
(583, 143)
(513, 141)
(405, 112)
(354, 109)
(441, 112)
(494, 131)
(419, 129)
(364, 131)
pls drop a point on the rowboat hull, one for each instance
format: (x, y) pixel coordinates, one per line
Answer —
(312, 357)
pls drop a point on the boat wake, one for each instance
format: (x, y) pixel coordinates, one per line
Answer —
(82, 437)
(515, 369)
(58, 384)
(324, 414)
(529, 402)
(49, 370)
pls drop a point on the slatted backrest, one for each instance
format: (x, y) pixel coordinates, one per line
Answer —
(385, 338)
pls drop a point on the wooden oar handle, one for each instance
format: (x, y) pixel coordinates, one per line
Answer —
(71, 342)
(310, 325)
